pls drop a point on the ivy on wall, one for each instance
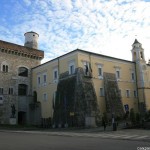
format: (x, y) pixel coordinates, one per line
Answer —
(75, 100)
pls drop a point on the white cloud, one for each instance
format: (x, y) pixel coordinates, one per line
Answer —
(107, 27)
(27, 2)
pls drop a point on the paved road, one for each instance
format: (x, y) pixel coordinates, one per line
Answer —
(45, 141)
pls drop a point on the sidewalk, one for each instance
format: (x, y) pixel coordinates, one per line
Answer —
(96, 130)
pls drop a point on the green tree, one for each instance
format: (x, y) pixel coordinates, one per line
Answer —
(138, 117)
(147, 115)
(132, 116)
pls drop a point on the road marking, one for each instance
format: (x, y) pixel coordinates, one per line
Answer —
(142, 137)
(94, 135)
(112, 136)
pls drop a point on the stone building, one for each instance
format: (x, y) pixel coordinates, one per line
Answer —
(16, 94)
(75, 89)
(71, 91)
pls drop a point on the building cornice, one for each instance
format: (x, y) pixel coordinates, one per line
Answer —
(14, 49)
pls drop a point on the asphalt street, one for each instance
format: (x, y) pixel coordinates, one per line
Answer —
(43, 141)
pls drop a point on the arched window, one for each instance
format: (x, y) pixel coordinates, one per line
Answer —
(141, 54)
(22, 89)
(3, 68)
(22, 71)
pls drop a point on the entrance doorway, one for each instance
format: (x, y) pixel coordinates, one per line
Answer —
(21, 117)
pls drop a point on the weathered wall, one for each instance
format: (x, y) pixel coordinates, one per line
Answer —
(11, 79)
(76, 102)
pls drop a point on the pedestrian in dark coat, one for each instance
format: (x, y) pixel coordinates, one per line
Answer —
(104, 124)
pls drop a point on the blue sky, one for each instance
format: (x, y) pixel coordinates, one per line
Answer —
(102, 26)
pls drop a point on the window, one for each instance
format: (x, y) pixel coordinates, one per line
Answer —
(118, 74)
(71, 67)
(127, 93)
(1, 100)
(39, 80)
(132, 76)
(100, 71)
(55, 74)
(22, 89)
(45, 97)
(22, 71)
(1, 91)
(135, 93)
(5, 68)
(44, 79)
(101, 91)
(11, 91)
(86, 67)
(141, 54)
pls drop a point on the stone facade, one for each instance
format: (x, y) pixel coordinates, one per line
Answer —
(15, 76)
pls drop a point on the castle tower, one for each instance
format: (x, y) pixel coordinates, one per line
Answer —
(31, 39)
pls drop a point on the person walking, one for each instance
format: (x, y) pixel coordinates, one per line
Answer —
(104, 124)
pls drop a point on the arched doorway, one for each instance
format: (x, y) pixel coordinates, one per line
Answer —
(35, 97)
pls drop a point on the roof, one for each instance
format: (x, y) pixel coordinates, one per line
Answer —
(32, 32)
(84, 51)
(136, 41)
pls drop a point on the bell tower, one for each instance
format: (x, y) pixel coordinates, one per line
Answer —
(142, 74)
(139, 58)
(137, 52)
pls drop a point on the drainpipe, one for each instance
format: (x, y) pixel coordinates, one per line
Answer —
(58, 68)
